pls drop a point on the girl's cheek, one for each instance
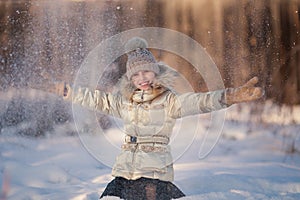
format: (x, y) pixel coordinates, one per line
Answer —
(135, 84)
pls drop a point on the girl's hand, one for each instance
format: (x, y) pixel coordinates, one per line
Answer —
(61, 89)
(245, 93)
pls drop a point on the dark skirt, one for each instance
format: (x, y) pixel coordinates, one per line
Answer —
(141, 188)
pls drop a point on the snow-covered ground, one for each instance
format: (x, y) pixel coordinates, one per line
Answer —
(251, 161)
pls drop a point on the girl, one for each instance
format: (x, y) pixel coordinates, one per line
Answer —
(149, 109)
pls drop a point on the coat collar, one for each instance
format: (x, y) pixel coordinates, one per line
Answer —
(140, 96)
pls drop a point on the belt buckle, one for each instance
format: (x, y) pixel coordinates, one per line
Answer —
(133, 139)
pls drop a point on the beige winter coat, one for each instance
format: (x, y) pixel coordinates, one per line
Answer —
(150, 116)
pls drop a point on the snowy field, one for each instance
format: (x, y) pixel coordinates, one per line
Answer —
(251, 161)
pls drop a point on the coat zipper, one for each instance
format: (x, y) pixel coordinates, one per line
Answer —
(137, 133)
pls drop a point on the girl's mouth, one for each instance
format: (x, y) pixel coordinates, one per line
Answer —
(144, 83)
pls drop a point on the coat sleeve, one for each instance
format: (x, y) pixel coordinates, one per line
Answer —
(195, 103)
(106, 103)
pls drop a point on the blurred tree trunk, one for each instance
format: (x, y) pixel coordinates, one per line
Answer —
(286, 77)
(245, 39)
(13, 16)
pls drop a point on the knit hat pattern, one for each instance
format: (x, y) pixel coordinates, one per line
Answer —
(139, 57)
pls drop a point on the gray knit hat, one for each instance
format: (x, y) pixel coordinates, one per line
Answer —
(139, 57)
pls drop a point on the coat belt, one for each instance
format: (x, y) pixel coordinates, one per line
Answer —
(146, 139)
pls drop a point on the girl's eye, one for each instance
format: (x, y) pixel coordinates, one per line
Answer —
(134, 76)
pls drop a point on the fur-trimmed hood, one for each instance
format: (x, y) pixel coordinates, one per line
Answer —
(166, 79)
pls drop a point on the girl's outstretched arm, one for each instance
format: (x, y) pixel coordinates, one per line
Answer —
(103, 102)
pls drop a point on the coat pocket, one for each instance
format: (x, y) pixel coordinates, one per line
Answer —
(124, 161)
(153, 161)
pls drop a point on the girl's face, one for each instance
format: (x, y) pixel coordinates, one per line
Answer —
(143, 79)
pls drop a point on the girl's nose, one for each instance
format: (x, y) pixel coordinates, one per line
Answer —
(141, 75)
